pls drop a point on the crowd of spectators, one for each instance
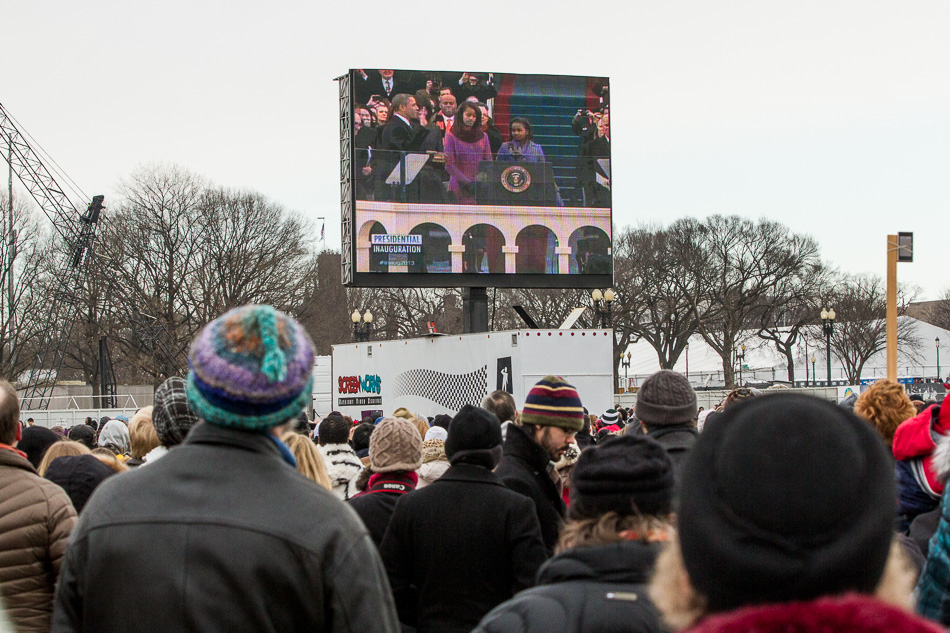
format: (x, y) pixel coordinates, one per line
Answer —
(229, 508)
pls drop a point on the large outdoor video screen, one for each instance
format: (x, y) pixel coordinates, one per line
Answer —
(479, 179)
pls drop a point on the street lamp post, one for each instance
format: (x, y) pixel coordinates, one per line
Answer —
(362, 326)
(814, 376)
(625, 361)
(602, 312)
(937, 342)
(687, 361)
(741, 361)
(828, 326)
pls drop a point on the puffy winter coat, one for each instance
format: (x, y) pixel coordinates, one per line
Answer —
(36, 518)
(918, 487)
(585, 590)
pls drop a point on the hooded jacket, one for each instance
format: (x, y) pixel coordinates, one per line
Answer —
(585, 589)
(918, 486)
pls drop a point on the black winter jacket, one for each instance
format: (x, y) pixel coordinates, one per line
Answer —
(524, 469)
(375, 506)
(458, 548)
(220, 535)
(598, 589)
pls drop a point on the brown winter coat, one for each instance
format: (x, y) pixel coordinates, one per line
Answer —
(36, 518)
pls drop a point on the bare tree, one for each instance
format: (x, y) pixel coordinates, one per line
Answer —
(655, 291)
(791, 308)
(248, 250)
(33, 280)
(939, 313)
(738, 265)
(860, 328)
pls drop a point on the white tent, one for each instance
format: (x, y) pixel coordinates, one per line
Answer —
(763, 363)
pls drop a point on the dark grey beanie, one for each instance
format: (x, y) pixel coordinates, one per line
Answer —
(666, 398)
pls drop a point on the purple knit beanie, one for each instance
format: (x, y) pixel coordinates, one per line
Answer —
(251, 369)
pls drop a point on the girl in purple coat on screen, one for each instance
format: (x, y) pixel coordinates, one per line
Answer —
(465, 145)
(522, 147)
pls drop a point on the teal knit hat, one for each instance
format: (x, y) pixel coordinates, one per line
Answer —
(251, 369)
(553, 402)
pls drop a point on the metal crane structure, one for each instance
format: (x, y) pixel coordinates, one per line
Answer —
(77, 230)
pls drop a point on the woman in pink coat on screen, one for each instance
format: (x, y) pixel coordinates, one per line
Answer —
(465, 145)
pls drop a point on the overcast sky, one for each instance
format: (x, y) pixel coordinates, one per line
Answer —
(831, 116)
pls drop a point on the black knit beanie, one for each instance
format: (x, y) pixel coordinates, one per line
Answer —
(34, 442)
(474, 435)
(83, 434)
(790, 498)
(666, 398)
(627, 474)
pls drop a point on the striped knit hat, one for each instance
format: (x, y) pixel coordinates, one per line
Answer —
(250, 369)
(553, 402)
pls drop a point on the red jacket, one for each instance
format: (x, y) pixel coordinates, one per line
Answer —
(842, 614)
(916, 438)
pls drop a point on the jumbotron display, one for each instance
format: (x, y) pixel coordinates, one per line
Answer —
(479, 179)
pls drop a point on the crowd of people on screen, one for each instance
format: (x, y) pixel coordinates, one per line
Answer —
(452, 121)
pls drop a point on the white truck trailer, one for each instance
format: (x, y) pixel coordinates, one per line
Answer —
(438, 374)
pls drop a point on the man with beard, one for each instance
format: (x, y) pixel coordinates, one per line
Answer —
(552, 414)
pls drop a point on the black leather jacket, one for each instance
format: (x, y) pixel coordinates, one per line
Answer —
(221, 535)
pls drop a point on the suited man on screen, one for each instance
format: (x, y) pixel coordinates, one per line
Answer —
(402, 133)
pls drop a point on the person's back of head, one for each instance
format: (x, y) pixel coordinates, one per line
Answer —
(885, 405)
(334, 430)
(502, 404)
(621, 487)
(9, 414)
(172, 416)
(35, 441)
(474, 437)
(61, 449)
(79, 476)
(310, 463)
(251, 370)
(791, 498)
(142, 435)
(361, 436)
(83, 434)
(666, 399)
(115, 437)
(395, 446)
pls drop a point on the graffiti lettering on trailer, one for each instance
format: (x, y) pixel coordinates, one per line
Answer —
(355, 384)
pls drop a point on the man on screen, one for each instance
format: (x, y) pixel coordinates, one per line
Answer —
(401, 134)
(446, 116)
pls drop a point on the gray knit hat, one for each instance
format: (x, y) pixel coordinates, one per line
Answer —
(666, 398)
(395, 445)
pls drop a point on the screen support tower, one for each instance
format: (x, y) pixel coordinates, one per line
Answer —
(475, 310)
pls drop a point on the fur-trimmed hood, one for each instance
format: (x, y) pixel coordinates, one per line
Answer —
(847, 614)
